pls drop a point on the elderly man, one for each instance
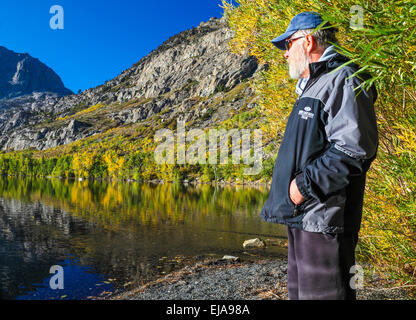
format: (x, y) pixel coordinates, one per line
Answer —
(319, 177)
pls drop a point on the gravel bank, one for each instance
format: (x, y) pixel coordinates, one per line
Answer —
(234, 280)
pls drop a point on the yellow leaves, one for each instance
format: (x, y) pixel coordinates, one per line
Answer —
(407, 137)
(83, 112)
(82, 162)
(148, 145)
(387, 233)
(255, 24)
(244, 21)
(114, 162)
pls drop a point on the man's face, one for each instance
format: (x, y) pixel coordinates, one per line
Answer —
(297, 58)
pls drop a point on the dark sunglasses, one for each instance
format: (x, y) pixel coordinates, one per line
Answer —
(288, 43)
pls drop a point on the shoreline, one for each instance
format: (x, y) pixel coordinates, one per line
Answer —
(232, 279)
(195, 182)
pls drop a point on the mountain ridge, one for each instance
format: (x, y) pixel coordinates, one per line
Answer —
(180, 79)
(23, 75)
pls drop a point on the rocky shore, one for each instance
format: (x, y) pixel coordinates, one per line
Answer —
(232, 279)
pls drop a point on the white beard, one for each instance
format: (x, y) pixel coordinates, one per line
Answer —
(299, 63)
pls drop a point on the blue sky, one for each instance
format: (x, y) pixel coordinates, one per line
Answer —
(101, 38)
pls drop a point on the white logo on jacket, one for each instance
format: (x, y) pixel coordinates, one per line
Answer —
(306, 114)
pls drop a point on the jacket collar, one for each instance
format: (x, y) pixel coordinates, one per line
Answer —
(329, 61)
(328, 54)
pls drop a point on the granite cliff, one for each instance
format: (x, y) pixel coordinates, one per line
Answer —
(192, 76)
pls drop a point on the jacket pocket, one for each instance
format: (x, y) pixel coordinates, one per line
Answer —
(297, 208)
(334, 210)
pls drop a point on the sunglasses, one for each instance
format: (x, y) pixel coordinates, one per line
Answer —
(288, 43)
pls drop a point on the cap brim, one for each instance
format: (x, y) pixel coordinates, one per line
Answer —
(279, 42)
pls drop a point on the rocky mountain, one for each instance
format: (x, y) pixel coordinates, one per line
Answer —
(192, 76)
(22, 75)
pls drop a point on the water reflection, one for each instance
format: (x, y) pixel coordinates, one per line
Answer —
(122, 232)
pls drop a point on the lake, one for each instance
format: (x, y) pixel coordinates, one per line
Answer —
(109, 236)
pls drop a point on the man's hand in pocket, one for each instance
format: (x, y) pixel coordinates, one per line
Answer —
(294, 193)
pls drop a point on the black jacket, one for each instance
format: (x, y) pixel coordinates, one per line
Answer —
(330, 141)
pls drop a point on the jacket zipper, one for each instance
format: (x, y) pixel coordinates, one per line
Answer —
(310, 83)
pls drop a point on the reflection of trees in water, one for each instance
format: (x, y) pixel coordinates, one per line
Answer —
(113, 226)
(35, 236)
(114, 204)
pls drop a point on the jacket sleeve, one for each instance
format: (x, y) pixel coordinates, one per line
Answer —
(351, 129)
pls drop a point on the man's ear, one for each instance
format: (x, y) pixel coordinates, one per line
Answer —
(310, 43)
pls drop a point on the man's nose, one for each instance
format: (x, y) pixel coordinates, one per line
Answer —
(287, 54)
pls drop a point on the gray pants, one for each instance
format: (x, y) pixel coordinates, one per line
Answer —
(319, 265)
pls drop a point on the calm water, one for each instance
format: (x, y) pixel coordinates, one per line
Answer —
(110, 236)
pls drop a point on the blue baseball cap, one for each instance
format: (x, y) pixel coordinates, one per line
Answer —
(304, 20)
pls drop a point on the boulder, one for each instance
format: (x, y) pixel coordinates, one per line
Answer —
(230, 258)
(254, 243)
